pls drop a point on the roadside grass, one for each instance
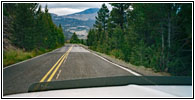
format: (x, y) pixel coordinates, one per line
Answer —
(13, 56)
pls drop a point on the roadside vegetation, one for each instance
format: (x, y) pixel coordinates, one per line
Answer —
(32, 32)
(11, 56)
(154, 35)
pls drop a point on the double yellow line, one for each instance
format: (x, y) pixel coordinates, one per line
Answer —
(59, 62)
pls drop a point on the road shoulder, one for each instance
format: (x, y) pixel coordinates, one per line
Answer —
(140, 69)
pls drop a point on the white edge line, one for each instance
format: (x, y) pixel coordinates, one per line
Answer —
(134, 73)
(30, 59)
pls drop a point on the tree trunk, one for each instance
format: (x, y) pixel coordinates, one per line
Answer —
(169, 31)
(162, 52)
(169, 39)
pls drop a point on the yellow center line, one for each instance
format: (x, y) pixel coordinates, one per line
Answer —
(42, 80)
(52, 75)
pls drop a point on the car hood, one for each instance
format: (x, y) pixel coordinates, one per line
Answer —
(115, 91)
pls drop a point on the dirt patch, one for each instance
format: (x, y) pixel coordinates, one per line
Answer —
(140, 69)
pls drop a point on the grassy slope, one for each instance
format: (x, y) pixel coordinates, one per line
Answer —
(12, 56)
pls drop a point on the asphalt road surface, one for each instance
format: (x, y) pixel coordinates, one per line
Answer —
(68, 62)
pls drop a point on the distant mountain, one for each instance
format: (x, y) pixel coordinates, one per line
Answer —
(88, 11)
(88, 14)
(80, 22)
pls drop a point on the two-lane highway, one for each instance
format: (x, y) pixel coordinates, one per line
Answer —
(68, 62)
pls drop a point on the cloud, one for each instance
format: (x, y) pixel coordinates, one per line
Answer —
(64, 11)
(64, 8)
(73, 5)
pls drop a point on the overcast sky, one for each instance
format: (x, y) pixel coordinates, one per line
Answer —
(63, 8)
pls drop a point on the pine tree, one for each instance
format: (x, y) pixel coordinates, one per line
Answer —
(61, 35)
(102, 17)
(24, 25)
(118, 13)
(74, 38)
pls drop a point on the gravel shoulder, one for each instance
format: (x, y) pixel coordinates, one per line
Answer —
(140, 69)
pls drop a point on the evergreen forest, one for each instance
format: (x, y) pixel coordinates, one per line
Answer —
(28, 31)
(32, 27)
(154, 35)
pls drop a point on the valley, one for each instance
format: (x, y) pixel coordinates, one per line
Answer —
(80, 22)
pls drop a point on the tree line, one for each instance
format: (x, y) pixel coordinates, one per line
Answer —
(32, 27)
(154, 35)
(75, 39)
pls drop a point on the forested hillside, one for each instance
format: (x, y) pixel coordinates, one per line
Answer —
(32, 30)
(154, 35)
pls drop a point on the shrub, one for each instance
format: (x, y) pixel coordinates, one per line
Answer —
(117, 53)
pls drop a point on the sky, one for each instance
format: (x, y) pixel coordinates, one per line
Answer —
(64, 8)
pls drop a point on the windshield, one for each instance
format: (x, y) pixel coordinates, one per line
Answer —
(66, 45)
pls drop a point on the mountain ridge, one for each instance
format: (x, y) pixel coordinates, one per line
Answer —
(88, 14)
(86, 11)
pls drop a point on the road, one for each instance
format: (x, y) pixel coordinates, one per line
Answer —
(68, 62)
